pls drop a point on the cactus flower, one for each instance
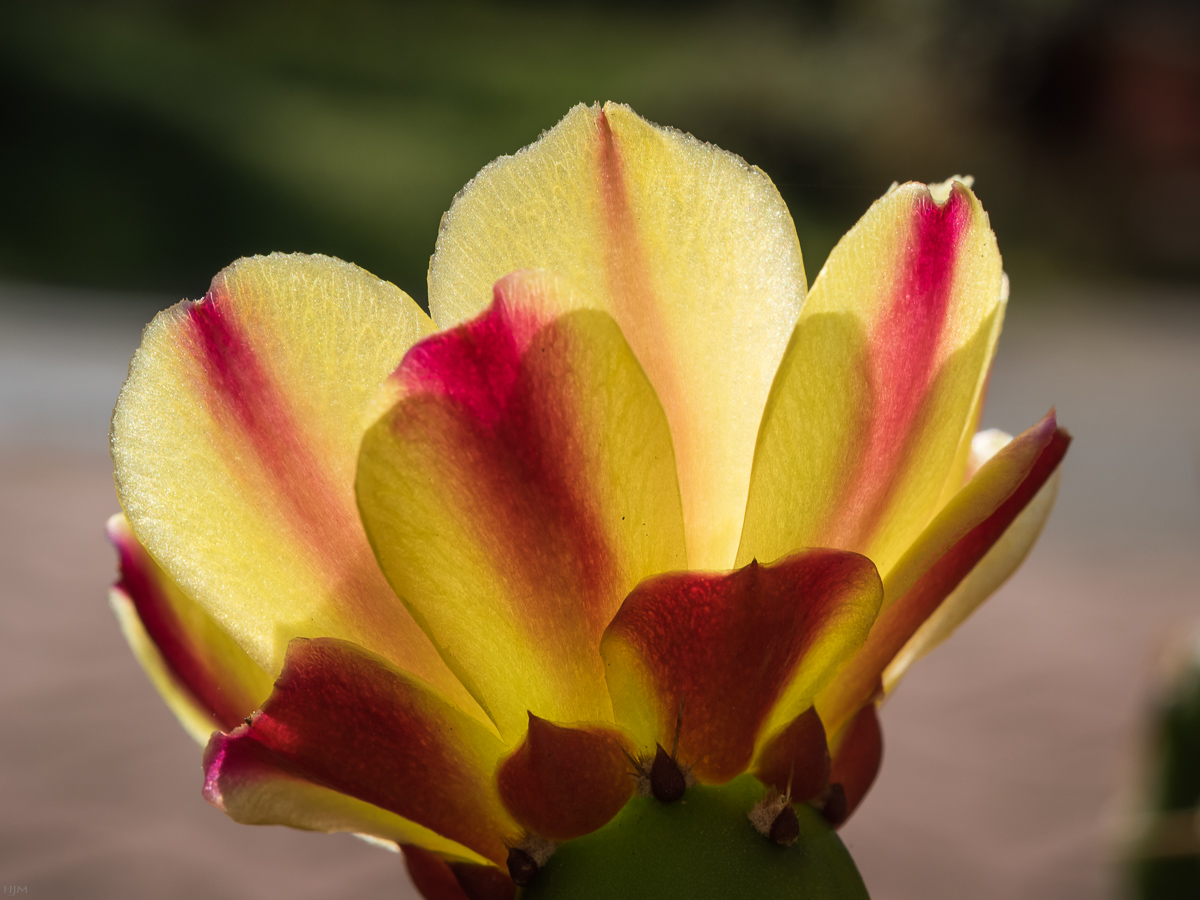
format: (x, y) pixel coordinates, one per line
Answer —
(596, 575)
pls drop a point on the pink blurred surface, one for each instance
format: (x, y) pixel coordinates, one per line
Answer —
(1008, 751)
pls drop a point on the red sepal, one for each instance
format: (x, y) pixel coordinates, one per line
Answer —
(858, 756)
(733, 649)
(437, 879)
(562, 782)
(798, 754)
(345, 719)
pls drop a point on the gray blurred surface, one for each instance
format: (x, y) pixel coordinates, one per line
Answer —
(1007, 751)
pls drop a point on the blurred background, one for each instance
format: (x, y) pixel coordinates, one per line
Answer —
(147, 145)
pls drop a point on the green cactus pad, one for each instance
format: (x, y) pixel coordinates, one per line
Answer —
(700, 847)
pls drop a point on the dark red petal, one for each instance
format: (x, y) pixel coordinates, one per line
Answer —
(562, 782)
(431, 875)
(483, 882)
(737, 651)
(438, 879)
(798, 754)
(857, 757)
(345, 719)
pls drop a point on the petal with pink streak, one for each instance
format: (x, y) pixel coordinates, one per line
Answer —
(689, 248)
(878, 393)
(993, 569)
(975, 521)
(519, 482)
(208, 680)
(235, 441)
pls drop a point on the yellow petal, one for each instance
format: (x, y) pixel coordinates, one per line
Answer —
(235, 441)
(206, 679)
(691, 250)
(989, 573)
(873, 407)
(517, 489)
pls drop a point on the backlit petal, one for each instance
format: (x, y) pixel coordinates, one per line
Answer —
(208, 681)
(565, 782)
(975, 521)
(873, 408)
(235, 441)
(519, 485)
(690, 249)
(981, 582)
(345, 722)
(742, 653)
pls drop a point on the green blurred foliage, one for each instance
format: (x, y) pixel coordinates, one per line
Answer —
(1166, 864)
(149, 144)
